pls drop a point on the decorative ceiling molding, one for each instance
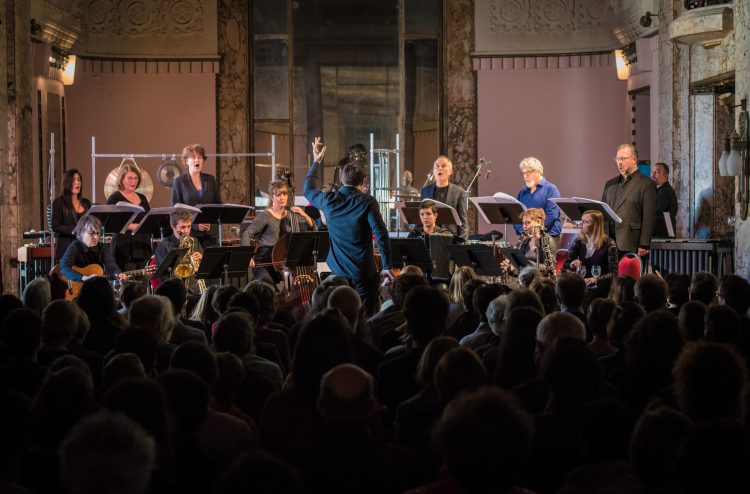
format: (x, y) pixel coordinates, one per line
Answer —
(534, 27)
(545, 62)
(168, 28)
(57, 23)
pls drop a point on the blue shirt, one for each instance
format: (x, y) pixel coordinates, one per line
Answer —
(352, 218)
(539, 199)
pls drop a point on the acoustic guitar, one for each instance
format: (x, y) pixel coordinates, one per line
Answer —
(93, 269)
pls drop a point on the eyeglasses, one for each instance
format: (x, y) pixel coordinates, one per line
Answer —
(528, 172)
(94, 233)
(620, 160)
(131, 179)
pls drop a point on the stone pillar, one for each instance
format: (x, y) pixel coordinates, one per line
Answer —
(460, 94)
(15, 133)
(742, 90)
(233, 104)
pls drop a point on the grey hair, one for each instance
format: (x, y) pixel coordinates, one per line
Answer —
(496, 313)
(632, 148)
(527, 275)
(531, 163)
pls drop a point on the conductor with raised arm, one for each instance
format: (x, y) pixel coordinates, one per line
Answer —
(632, 196)
(447, 193)
(353, 218)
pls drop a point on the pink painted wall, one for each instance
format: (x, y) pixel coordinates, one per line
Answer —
(571, 118)
(138, 113)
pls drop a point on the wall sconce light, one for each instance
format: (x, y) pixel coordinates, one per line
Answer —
(646, 20)
(735, 158)
(69, 71)
(623, 70)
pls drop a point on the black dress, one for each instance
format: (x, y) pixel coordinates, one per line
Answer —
(64, 221)
(130, 251)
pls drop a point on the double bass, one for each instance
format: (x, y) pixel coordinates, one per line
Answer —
(301, 280)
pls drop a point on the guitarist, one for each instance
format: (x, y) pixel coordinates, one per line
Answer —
(87, 250)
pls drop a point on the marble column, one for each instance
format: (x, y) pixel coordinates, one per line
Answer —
(233, 107)
(15, 135)
(460, 100)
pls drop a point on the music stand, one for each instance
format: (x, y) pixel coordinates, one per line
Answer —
(500, 209)
(166, 268)
(574, 207)
(440, 256)
(224, 262)
(219, 214)
(479, 256)
(306, 248)
(156, 221)
(516, 258)
(115, 218)
(406, 251)
(446, 215)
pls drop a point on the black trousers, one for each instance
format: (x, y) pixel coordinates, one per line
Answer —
(368, 290)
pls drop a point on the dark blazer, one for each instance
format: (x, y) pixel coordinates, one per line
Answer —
(635, 204)
(183, 191)
(63, 223)
(353, 218)
(456, 198)
(666, 202)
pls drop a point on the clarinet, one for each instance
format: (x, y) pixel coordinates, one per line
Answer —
(549, 263)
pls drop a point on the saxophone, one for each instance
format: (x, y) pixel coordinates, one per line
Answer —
(188, 264)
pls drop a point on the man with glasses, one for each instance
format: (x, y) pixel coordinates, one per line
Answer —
(87, 250)
(537, 194)
(632, 196)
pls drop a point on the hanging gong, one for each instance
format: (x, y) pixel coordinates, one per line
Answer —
(146, 187)
(167, 172)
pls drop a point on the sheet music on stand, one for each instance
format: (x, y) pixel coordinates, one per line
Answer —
(115, 218)
(499, 209)
(574, 207)
(409, 211)
(221, 214)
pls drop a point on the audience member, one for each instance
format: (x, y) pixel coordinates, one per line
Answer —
(37, 295)
(703, 287)
(571, 290)
(175, 291)
(107, 453)
(22, 336)
(599, 313)
(97, 300)
(482, 335)
(692, 320)
(515, 357)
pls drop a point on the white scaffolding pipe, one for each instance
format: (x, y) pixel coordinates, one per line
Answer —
(164, 156)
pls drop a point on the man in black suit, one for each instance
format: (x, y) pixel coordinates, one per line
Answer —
(666, 199)
(632, 196)
(447, 193)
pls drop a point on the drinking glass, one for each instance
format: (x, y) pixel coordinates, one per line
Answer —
(596, 271)
(581, 270)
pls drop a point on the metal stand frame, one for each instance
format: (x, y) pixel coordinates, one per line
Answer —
(164, 156)
(381, 175)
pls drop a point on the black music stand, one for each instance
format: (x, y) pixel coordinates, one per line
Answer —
(500, 209)
(172, 259)
(479, 256)
(224, 262)
(221, 214)
(516, 258)
(411, 251)
(115, 218)
(155, 222)
(307, 248)
(574, 207)
(446, 215)
(440, 256)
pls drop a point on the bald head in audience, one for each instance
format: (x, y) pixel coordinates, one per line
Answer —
(346, 300)
(346, 393)
(555, 327)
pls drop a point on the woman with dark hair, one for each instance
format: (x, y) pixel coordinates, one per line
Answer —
(290, 421)
(195, 187)
(97, 300)
(593, 248)
(130, 249)
(67, 209)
